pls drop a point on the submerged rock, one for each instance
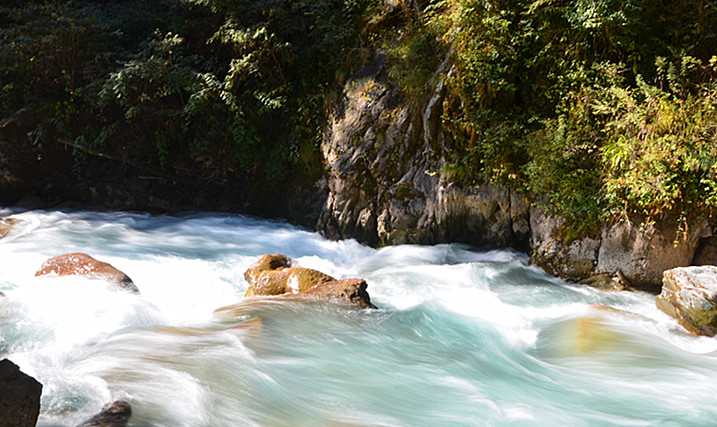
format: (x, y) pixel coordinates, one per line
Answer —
(19, 396)
(689, 294)
(79, 264)
(115, 414)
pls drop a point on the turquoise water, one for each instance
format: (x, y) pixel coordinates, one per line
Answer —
(462, 338)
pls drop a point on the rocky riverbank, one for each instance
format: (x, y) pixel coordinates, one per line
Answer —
(383, 185)
(383, 171)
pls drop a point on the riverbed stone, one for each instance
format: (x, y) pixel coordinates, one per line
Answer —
(80, 264)
(689, 294)
(19, 396)
(265, 263)
(273, 275)
(7, 225)
(288, 280)
(114, 414)
(604, 282)
(351, 291)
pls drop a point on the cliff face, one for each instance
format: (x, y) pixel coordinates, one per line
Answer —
(383, 160)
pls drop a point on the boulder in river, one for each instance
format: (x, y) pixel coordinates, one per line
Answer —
(273, 275)
(115, 414)
(19, 396)
(265, 263)
(689, 294)
(6, 226)
(288, 280)
(80, 264)
(349, 290)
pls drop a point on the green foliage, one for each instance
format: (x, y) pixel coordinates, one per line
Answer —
(596, 108)
(210, 89)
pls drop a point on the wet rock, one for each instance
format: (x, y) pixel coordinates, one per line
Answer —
(352, 291)
(640, 251)
(689, 294)
(604, 282)
(19, 396)
(288, 280)
(265, 263)
(81, 264)
(272, 275)
(115, 414)
(7, 225)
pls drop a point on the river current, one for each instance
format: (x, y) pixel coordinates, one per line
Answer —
(462, 336)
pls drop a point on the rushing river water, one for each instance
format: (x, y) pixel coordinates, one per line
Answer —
(462, 337)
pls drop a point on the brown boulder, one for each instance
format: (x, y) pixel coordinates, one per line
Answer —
(288, 280)
(273, 275)
(349, 290)
(689, 294)
(115, 414)
(265, 263)
(19, 396)
(80, 264)
(6, 226)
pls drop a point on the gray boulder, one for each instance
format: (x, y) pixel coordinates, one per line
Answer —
(689, 294)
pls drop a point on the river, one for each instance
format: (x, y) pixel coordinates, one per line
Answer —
(462, 336)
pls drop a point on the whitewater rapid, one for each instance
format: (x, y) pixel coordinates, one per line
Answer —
(462, 337)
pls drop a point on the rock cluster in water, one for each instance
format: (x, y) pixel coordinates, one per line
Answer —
(79, 264)
(19, 396)
(273, 275)
(689, 294)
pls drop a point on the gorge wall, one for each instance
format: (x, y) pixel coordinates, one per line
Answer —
(383, 184)
(383, 160)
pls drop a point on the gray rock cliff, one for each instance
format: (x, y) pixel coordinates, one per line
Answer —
(383, 159)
